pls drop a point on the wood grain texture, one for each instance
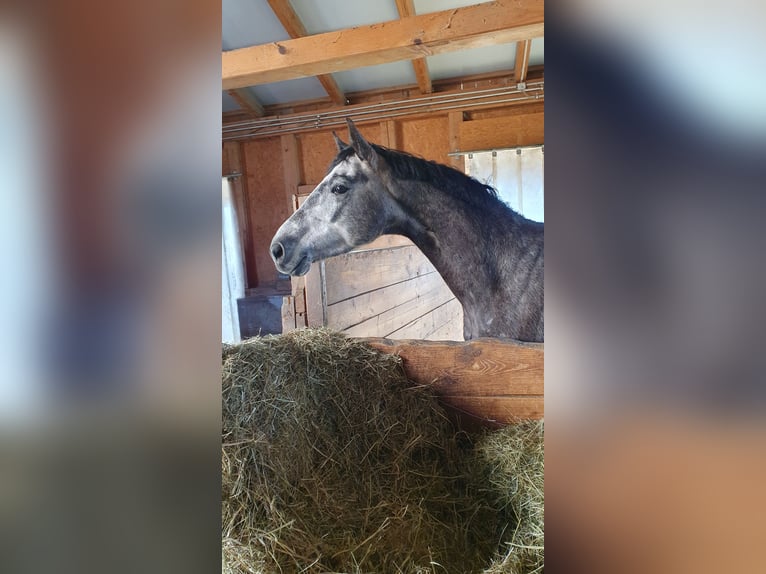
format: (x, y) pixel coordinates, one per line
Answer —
(499, 22)
(502, 132)
(496, 380)
(522, 60)
(406, 9)
(356, 273)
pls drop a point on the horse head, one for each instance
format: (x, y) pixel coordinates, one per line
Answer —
(350, 207)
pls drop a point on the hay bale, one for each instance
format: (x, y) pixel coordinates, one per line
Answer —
(514, 465)
(334, 462)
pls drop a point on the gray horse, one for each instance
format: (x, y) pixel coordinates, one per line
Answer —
(490, 256)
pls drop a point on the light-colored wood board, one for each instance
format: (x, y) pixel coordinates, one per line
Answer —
(422, 299)
(481, 367)
(353, 311)
(384, 242)
(500, 22)
(427, 138)
(500, 410)
(291, 167)
(406, 8)
(451, 327)
(314, 297)
(455, 119)
(429, 322)
(288, 313)
(502, 132)
(521, 67)
(356, 273)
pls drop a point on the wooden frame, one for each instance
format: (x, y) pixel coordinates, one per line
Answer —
(406, 39)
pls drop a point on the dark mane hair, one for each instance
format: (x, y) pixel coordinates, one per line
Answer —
(409, 167)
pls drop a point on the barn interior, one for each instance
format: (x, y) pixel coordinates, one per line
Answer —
(458, 82)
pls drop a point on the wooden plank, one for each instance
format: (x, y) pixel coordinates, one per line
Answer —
(406, 9)
(390, 139)
(291, 167)
(503, 21)
(481, 367)
(295, 28)
(315, 315)
(502, 132)
(500, 410)
(455, 120)
(384, 242)
(355, 310)
(431, 321)
(356, 273)
(288, 313)
(247, 101)
(521, 66)
(422, 298)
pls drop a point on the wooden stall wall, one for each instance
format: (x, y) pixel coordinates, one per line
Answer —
(388, 288)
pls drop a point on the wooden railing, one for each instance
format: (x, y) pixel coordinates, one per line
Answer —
(493, 381)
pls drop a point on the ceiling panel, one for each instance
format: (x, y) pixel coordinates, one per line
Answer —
(289, 91)
(228, 104)
(474, 61)
(380, 76)
(537, 52)
(247, 23)
(426, 6)
(328, 15)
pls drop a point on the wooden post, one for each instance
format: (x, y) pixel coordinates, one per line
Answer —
(455, 121)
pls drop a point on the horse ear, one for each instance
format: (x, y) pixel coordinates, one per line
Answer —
(339, 142)
(361, 146)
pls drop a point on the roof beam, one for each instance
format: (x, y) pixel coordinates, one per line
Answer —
(503, 21)
(295, 28)
(247, 101)
(406, 9)
(522, 60)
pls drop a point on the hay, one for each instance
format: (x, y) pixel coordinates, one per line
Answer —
(333, 462)
(514, 462)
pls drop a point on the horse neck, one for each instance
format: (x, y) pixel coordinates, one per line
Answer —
(455, 237)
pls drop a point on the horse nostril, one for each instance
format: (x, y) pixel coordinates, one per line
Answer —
(277, 251)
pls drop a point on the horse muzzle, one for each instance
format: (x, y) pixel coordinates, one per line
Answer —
(290, 263)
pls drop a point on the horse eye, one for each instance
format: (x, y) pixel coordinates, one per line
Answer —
(339, 188)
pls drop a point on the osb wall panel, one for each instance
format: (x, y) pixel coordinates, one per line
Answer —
(268, 207)
(427, 138)
(318, 149)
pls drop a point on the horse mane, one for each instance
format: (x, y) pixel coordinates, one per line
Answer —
(408, 167)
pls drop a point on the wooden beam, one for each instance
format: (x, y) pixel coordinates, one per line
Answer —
(295, 28)
(406, 9)
(503, 21)
(522, 60)
(496, 380)
(247, 102)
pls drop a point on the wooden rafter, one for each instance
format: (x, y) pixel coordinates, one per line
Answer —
(247, 101)
(486, 24)
(295, 28)
(522, 60)
(406, 9)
